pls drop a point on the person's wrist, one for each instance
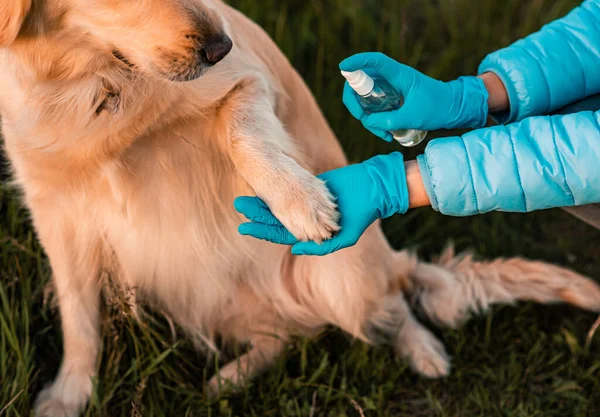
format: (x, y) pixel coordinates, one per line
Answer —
(498, 100)
(417, 193)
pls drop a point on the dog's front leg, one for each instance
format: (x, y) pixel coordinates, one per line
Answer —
(75, 267)
(262, 151)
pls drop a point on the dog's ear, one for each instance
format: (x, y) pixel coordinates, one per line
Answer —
(12, 15)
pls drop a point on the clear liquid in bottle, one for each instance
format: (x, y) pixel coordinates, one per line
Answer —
(377, 95)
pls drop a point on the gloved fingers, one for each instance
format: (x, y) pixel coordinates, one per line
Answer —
(274, 234)
(387, 136)
(350, 99)
(353, 105)
(390, 120)
(314, 249)
(388, 68)
(254, 209)
(327, 175)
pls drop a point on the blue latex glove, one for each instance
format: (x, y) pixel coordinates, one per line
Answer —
(365, 192)
(428, 104)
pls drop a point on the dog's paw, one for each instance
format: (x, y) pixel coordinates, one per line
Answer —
(307, 209)
(227, 381)
(425, 353)
(64, 398)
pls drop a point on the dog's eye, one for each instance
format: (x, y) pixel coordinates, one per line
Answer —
(111, 101)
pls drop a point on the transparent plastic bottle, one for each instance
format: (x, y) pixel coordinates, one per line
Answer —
(377, 95)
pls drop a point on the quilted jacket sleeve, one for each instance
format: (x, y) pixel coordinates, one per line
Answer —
(554, 67)
(539, 163)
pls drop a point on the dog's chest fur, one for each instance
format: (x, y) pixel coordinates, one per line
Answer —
(168, 218)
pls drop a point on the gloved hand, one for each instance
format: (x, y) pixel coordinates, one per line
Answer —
(428, 104)
(365, 192)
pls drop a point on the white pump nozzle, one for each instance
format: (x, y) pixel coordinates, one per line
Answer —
(359, 81)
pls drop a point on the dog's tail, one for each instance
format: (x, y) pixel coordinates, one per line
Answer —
(455, 287)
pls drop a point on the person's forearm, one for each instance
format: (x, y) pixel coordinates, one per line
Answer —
(556, 66)
(497, 95)
(497, 102)
(478, 173)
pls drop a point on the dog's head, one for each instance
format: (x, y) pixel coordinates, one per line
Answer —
(174, 39)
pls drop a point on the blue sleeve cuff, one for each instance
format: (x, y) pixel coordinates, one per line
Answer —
(448, 177)
(511, 115)
(425, 177)
(526, 97)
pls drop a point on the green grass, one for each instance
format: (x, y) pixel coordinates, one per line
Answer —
(525, 361)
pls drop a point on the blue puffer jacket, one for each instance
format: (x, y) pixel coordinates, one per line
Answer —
(537, 162)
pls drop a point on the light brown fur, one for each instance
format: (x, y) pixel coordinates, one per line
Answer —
(127, 171)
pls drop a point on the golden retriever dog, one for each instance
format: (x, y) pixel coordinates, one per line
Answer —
(131, 126)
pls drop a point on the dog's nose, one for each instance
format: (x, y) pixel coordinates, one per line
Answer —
(218, 49)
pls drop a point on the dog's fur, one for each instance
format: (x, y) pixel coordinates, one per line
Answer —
(129, 171)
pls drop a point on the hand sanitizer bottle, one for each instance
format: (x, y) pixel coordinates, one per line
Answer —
(377, 95)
